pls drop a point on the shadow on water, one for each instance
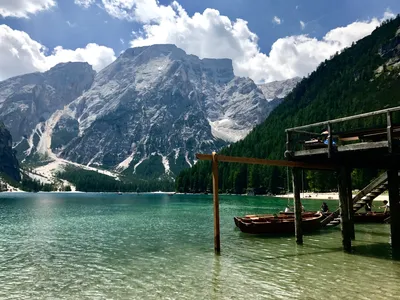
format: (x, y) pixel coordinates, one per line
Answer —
(370, 232)
(377, 250)
(216, 280)
(322, 232)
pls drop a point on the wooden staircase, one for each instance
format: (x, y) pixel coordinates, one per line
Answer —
(366, 195)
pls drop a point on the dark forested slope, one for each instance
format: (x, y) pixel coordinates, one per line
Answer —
(362, 78)
(8, 162)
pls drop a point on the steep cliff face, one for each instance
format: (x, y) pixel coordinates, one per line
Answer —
(27, 100)
(8, 162)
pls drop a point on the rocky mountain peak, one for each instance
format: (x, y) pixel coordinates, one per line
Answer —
(28, 100)
(146, 114)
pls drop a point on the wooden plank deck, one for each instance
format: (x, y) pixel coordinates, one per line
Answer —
(342, 149)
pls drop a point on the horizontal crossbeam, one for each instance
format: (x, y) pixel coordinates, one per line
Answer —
(269, 162)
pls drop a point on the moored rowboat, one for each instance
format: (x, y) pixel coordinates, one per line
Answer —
(372, 217)
(277, 224)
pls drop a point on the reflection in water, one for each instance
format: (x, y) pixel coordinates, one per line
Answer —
(99, 246)
(216, 273)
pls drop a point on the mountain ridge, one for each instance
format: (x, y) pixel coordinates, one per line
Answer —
(146, 114)
(155, 104)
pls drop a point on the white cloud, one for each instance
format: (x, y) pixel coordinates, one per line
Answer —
(276, 20)
(138, 10)
(302, 25)
(70, 24)
(211, 35)
(388, 15)
(23, 8)
(84, 3)
(19, 54)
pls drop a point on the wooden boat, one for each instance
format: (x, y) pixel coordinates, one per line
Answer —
(277, 224)
(372, 217)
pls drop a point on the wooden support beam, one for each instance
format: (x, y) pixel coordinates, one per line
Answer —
(389, 131)
(297, 206)
(217, 239)
(344, 208)
(330, 141)
(350, 204)
(270, 162)
(288, 139)
(305, 132)
(394, 198)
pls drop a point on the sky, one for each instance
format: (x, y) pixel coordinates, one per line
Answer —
(267, 40)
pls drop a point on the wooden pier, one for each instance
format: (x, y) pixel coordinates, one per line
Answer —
(338, 145)
(347, 144)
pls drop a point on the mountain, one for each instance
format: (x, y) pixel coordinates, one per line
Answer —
(362, 78)
(149, 112)
(8, 162)
(277, 90)
(27, 101)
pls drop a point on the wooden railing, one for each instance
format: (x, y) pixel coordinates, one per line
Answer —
(329, 136)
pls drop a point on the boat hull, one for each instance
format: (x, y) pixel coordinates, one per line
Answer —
(277, 225)
(376, 217)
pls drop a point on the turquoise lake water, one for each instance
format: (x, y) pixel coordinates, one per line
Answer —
(105, 246)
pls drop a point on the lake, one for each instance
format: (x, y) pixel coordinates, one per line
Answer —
(154, 246)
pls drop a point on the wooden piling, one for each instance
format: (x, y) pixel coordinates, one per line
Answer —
(343, 185)
(350, 204)
(394, 198)
(297, 206)
(217, 240)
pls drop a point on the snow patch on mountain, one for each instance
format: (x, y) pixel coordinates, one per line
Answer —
(278, 89)
(165, 163)
(226, 130)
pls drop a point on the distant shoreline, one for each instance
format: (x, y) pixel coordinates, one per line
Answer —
(304, 196)
(326, 196)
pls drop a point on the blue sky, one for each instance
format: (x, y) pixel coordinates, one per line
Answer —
(71, 26)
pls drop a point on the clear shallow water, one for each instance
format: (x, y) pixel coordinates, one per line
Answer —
(99, 246)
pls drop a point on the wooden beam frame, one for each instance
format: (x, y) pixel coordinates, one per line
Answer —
(298, 230)
(325, 123)
(215, 158)
(394, 198)
(269, 162)
(344, 207)
(217, 240)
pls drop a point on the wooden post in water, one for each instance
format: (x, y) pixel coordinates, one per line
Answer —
(217, 240)
(297, 206)
(350, 204)
(343, 184)
(394, 198)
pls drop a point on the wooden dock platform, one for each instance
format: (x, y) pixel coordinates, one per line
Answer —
(334, 146)
(350, 143)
